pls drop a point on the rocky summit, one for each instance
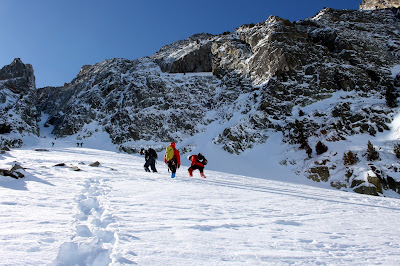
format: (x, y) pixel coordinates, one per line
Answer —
(258, 80)
(18, 100)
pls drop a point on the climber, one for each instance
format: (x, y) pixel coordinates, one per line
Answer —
(172, 158)
(150, 156)
(197, 162)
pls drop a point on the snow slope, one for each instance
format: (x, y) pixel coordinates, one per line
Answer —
(116, 214)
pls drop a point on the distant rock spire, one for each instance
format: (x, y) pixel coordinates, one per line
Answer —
(379, 4)
(20, 77)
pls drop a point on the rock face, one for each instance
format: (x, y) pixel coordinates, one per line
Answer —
(132, 100)
(18, 99)
(18, 77)
(191, 55)
(269, 71)
(292, 65)
(378, 4)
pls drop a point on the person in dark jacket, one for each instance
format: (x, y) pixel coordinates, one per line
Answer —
(150, 155)
(197, 162)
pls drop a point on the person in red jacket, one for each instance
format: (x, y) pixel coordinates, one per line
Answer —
(197, 162)
(172, 158)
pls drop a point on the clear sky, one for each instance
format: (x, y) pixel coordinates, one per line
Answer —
(59, 36)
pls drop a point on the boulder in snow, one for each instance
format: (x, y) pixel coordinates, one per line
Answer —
(75, 168)
(41, 149)
(367, 190)
(95, 164)
(15, 171)
(319, 173)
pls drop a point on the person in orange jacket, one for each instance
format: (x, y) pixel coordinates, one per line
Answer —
(172, 158)
(197, 162)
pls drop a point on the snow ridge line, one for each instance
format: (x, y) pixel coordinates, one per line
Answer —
(94, 239)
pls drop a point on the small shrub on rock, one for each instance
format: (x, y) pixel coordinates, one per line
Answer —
(308, 150)
(372, 154)
(390, 97)
(298, 134)
(350, 158)
(4, 129)
(320, 148)
(396, 150)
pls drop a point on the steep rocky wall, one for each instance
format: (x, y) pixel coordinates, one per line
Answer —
(18, 99)
(191, 55)
(17, 77)
(292, 65)
(133, 100)
(276, 47)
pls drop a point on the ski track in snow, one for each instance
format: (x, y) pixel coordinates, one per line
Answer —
(116, 214)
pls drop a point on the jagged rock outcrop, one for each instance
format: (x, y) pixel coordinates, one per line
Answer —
(18, 77)
(379, 4)
(18, 99)
(191, 55)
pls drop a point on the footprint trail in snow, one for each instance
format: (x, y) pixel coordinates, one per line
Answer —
(95, 238)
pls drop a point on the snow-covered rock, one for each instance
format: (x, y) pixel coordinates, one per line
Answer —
(191, 55)
(132, 100)
(18, 99)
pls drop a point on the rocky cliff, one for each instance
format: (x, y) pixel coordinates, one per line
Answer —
(18, 99)
(132, 100)
(292, 65)
(248, 84)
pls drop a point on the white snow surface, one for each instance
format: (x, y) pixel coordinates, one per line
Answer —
(117, 214)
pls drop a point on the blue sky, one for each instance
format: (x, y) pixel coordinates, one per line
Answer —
(58, 37)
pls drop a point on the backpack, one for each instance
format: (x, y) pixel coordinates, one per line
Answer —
(153, 153)
(169, 154)
(201, 159)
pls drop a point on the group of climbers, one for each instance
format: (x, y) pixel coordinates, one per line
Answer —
(172, 159)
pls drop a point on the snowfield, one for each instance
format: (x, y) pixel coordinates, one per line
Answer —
(117, 214)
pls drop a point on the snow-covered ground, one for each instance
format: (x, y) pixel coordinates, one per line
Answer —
(116, 214)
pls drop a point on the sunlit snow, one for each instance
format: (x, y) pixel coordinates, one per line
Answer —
(116, 214)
